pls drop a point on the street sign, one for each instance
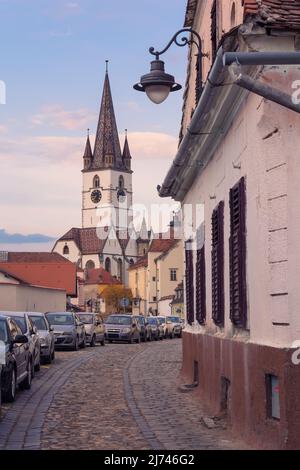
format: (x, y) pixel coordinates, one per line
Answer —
(124, 302)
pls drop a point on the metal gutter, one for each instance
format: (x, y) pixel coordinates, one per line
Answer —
(197, 135)
(261, 58)
(198, 118)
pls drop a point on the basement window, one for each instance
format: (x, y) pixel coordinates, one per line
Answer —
(273, 397)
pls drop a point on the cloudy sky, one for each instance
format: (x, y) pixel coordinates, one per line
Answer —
(52, 60)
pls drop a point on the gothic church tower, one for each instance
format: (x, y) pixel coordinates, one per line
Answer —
(107, 175)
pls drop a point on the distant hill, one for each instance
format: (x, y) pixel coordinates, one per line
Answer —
(16, 238)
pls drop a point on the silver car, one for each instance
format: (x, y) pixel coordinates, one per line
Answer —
(46, 334)
(28, 329)
(94, 328)
(69, 331)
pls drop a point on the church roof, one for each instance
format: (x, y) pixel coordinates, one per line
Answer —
(86, 239)
(99, 276)
(107, 139)
(88, 149)
(126, 150)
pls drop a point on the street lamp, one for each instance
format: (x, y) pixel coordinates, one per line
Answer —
(158, 84)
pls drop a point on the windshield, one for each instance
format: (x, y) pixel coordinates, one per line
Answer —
(40, 323)
(141, 320)
(86, 319)
(118, 320)
(3, 331)
(162, 321)
(152, 321)
(20, 321)
(174, 319)
(60, 319)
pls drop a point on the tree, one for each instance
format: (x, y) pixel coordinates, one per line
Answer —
(113, 296)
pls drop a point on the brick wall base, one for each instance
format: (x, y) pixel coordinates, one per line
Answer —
(237, 370)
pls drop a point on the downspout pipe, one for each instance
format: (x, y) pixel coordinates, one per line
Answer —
(261, 58)
(267, 92)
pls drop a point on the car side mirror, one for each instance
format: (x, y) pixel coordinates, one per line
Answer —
(20, 339)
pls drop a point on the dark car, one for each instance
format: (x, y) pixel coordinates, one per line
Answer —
(122, 328)
(15, 358)
(28, 329)
(69, 331)
(157, 328)
(145, 328)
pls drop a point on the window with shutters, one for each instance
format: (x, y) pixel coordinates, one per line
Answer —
(217, 265)
(199, 79)
(189, 284)
(200, 287)
(214, 29)
(237, 255)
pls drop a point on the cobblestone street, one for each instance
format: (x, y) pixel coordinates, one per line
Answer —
(120, 397)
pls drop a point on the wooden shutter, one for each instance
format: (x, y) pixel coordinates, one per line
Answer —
(200, 287)
(189, 284)
(217, 268)
(214, 29)
(237, 255)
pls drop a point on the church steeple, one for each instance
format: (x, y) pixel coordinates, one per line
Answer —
(88, 154)
(107, 151)
(126, 153)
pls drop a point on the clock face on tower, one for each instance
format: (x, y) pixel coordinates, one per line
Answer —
(96, 196)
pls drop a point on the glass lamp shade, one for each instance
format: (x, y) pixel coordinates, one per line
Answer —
(157, 93)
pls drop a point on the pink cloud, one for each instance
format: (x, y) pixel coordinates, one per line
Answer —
(56, 116)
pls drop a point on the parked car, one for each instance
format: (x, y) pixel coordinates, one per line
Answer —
(46, 335)
(167, 326)
(177, 325)
(27, 327)
(157, 329)
(145, 328)
(16, 367)
(120, 327)
(94, 328)
(69, 331)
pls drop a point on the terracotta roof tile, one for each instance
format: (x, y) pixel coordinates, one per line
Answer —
(86, 239)
(33, 257)
(277, 14)
(141, 263)
(99, 276)
(54, 275)
(162, 245)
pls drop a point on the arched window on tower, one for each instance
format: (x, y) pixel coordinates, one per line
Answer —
(96, 182)
(66, 250)
(121, 182)
(108, 265)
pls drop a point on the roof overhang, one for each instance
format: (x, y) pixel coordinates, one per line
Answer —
(216, 110)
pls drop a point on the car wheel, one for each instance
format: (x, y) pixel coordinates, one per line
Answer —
(110, 341)
(53, 354)
(93, 341)
(26, 384)
(48, 359)
(102, 342)
(82, 346)
(9, 395)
